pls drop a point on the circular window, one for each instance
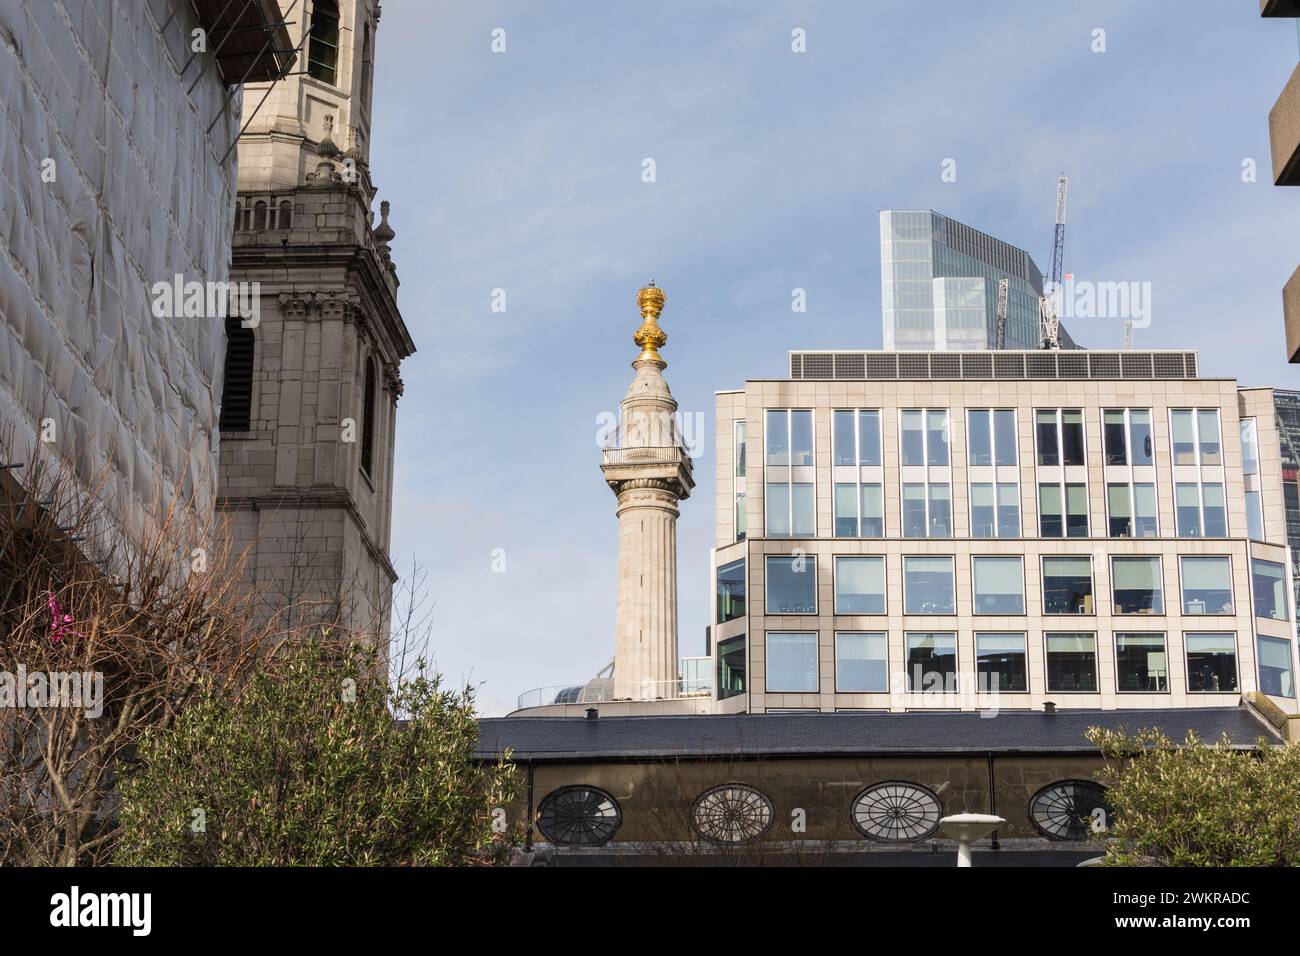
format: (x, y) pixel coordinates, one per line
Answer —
(1069, 810)
(732, 813)
(579, 816)
(896, 812)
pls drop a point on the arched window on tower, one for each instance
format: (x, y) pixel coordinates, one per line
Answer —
(367, 70)
(237, 391)
(259, 215)
(368, 419)
(323, 48)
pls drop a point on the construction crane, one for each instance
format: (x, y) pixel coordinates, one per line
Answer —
(1049, 321)
(1000, 339)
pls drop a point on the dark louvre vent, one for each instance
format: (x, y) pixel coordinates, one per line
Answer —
(1008, 366)
(977, 365)
(1168, 366)
(1103, 366)
(945, 365)
(913, 365)
(1072, 364)
(368, 420)
(237, 390)
(1190, 364)
(849, 365)
(796, 365)
(1040, 365)
(882, 365)
(1136, 364)
(819, 366)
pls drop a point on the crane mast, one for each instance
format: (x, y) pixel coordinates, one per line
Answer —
(1050, 322)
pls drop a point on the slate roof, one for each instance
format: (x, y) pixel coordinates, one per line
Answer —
(851, 734)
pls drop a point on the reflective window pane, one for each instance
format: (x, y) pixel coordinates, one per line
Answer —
(731, 667)
(801, 437)
(1207, 585)
(1141, 665)
(777, 508)
(1138, 588)
(1275, 673)
(1008, 511)
(777, 427)
(1115, 436)
(999, 585)
(1072, 436)
(1004, 437)
(1211, 662)
(1140, 446)
(1072, 663)
(860, 585)
(931, 661)
(791, 584)
(791, 662)
(1268, 581)
(861, 662)
(928, 585)
(869, 438)
(936, 439)
(1067, 585)
(803, 506)
(1207, 423)
(912, 438)
(979, 437)
(1000, 662)
(731, 591)
(845, 438)
(1048, 450)
(846, 511)
(873, 512)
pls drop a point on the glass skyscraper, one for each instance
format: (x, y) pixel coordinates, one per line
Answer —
(939, 285)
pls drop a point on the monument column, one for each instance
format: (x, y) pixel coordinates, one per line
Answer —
(649, 472)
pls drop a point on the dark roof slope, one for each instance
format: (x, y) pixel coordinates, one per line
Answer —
(614, 738)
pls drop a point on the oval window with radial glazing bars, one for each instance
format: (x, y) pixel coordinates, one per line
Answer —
(896, 812)
(1070, 810)
(732, 813)
(579, 816)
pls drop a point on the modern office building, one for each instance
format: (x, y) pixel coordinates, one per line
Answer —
(939, 284)
(913, 531)
(1284, 136)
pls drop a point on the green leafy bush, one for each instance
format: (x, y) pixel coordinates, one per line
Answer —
(311, 767)
(1199, 804)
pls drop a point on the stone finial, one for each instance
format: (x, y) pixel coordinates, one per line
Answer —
(384, 232)
(649, 336)
(326, 147)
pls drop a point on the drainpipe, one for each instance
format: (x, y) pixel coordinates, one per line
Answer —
(993, 800)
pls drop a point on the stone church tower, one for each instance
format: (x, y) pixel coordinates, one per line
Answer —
(309, 405)
(650, 472)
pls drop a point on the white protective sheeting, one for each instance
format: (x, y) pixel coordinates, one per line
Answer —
(138, 196)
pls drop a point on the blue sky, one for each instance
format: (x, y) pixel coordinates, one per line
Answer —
(522, 171)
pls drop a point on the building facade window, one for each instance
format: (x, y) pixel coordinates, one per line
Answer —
(991, 437)
(931, 661)
(1211, 662)
(1141, 664)
(731, 591)
(791, 505)
(791, 584)
(1127, 433)
(1268, 582)
(1067, 585)
(861, 662)
(1251, 474)
(1275, 673)
(860, 585)
(1138, 585)
(998, 585)
(926, 488)
(731, 667)
(1060, 436)
(1200, 510)
(791, 662)
(1131, 509)
(1071, 663)
(927, 510)
(237, 387)
(859, 510)
(1207, 585)
(928, 585)
(1000, 661)
(1063, 510)
(323, 41)
(994, 509)
(857, 437)
(738, 475)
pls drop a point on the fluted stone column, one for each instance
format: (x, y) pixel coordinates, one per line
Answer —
(650, 472)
